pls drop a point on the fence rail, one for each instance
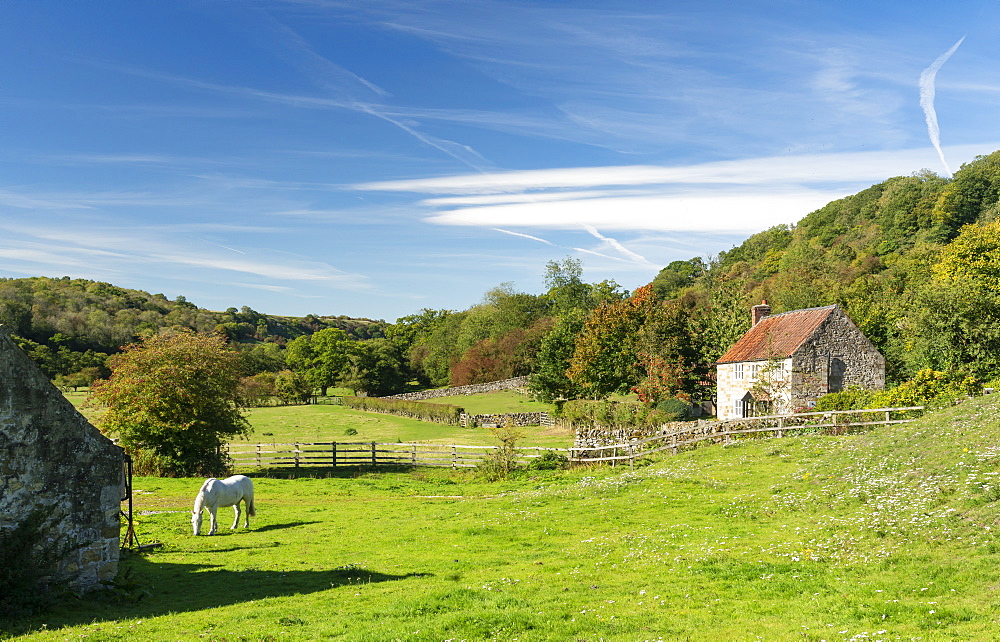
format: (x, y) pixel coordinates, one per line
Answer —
(725, 432)
(369, 453)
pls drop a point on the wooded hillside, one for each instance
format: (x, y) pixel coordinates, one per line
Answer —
(914, 260)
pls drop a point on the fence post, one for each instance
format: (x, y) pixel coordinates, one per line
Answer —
(413, 454)
(781, 425)
(334, 453)
(374, 461)
(725, 434)
(888, 416)
(258, 455)
(673, 441)
(454, 458)
(296, 454)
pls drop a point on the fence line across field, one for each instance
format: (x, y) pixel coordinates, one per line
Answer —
(333, 453)
(726, 432)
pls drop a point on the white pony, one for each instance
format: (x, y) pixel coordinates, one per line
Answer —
(223, 492)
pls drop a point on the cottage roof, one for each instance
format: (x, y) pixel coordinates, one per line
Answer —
(777, 336)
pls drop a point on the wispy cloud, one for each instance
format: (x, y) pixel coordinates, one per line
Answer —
(727, 197)
(927, 91)
(125, 250)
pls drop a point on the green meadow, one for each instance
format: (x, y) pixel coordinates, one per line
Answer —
(886, 535)
(326, 423)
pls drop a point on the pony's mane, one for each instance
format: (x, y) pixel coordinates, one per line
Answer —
(199, 500)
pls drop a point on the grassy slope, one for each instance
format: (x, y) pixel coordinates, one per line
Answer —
(887, 535)
(322, 423)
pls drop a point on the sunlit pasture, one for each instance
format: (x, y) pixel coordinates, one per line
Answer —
(880, 536)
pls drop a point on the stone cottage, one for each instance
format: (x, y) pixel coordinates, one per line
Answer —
(52, 458)
(788, 360)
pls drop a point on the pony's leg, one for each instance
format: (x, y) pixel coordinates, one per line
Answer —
(211, 511)
(236, 522)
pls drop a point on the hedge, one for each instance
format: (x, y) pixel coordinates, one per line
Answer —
(436, 412)
(611, 414)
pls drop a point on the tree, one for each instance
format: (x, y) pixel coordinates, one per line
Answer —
(172, 401)
(549, 381)
(292, 387)
(376, 368)
(974, 255)
(320, 357)
(677, 276)
(566, 289)
(79, 379)
(604, 357)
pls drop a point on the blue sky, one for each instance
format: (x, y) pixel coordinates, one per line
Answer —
(375, 158)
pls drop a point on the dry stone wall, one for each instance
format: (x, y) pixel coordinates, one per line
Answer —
(602, 436)
(514, 419)
(52, 458)
(493, 386)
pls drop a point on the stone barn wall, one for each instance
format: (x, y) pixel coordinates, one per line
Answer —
(50, 456)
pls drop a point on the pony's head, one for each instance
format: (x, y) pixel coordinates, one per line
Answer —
(196, 521)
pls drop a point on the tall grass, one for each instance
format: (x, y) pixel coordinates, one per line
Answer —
(880, 536)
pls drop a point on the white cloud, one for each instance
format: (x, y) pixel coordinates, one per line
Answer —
(704, 212)
(743, 196)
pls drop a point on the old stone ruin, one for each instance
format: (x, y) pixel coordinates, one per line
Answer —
(52, 459)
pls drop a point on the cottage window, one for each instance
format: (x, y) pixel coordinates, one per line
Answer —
(738, 371)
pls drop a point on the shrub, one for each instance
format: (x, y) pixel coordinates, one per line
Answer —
(499, 463)
(928, 387)
(549, 460)
(851, 399)
(675, 409)
(611, 414)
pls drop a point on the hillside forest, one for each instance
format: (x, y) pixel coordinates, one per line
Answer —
(914, 261)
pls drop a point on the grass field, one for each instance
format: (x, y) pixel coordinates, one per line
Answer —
(888, 535)
(324, 423)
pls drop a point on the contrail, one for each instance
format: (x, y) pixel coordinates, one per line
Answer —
(615, 244)
(927, 100)
(527, 236)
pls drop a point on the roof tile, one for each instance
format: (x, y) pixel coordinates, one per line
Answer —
(777, 336)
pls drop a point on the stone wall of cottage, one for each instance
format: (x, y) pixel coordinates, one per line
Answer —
(493, 386)
(775, 376)
(52, 458)
(836, 357)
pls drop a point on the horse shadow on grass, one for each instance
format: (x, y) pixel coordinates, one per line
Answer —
(278, 527)
(147, 588)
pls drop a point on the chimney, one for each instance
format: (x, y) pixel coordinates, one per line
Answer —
(758, 312)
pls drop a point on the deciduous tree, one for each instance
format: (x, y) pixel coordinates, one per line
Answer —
(172, 401)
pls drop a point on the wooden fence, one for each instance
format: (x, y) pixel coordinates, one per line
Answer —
(367, 453)
(370, 453)
(834, 422)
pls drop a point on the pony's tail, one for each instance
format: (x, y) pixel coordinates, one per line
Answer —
(251, 511)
